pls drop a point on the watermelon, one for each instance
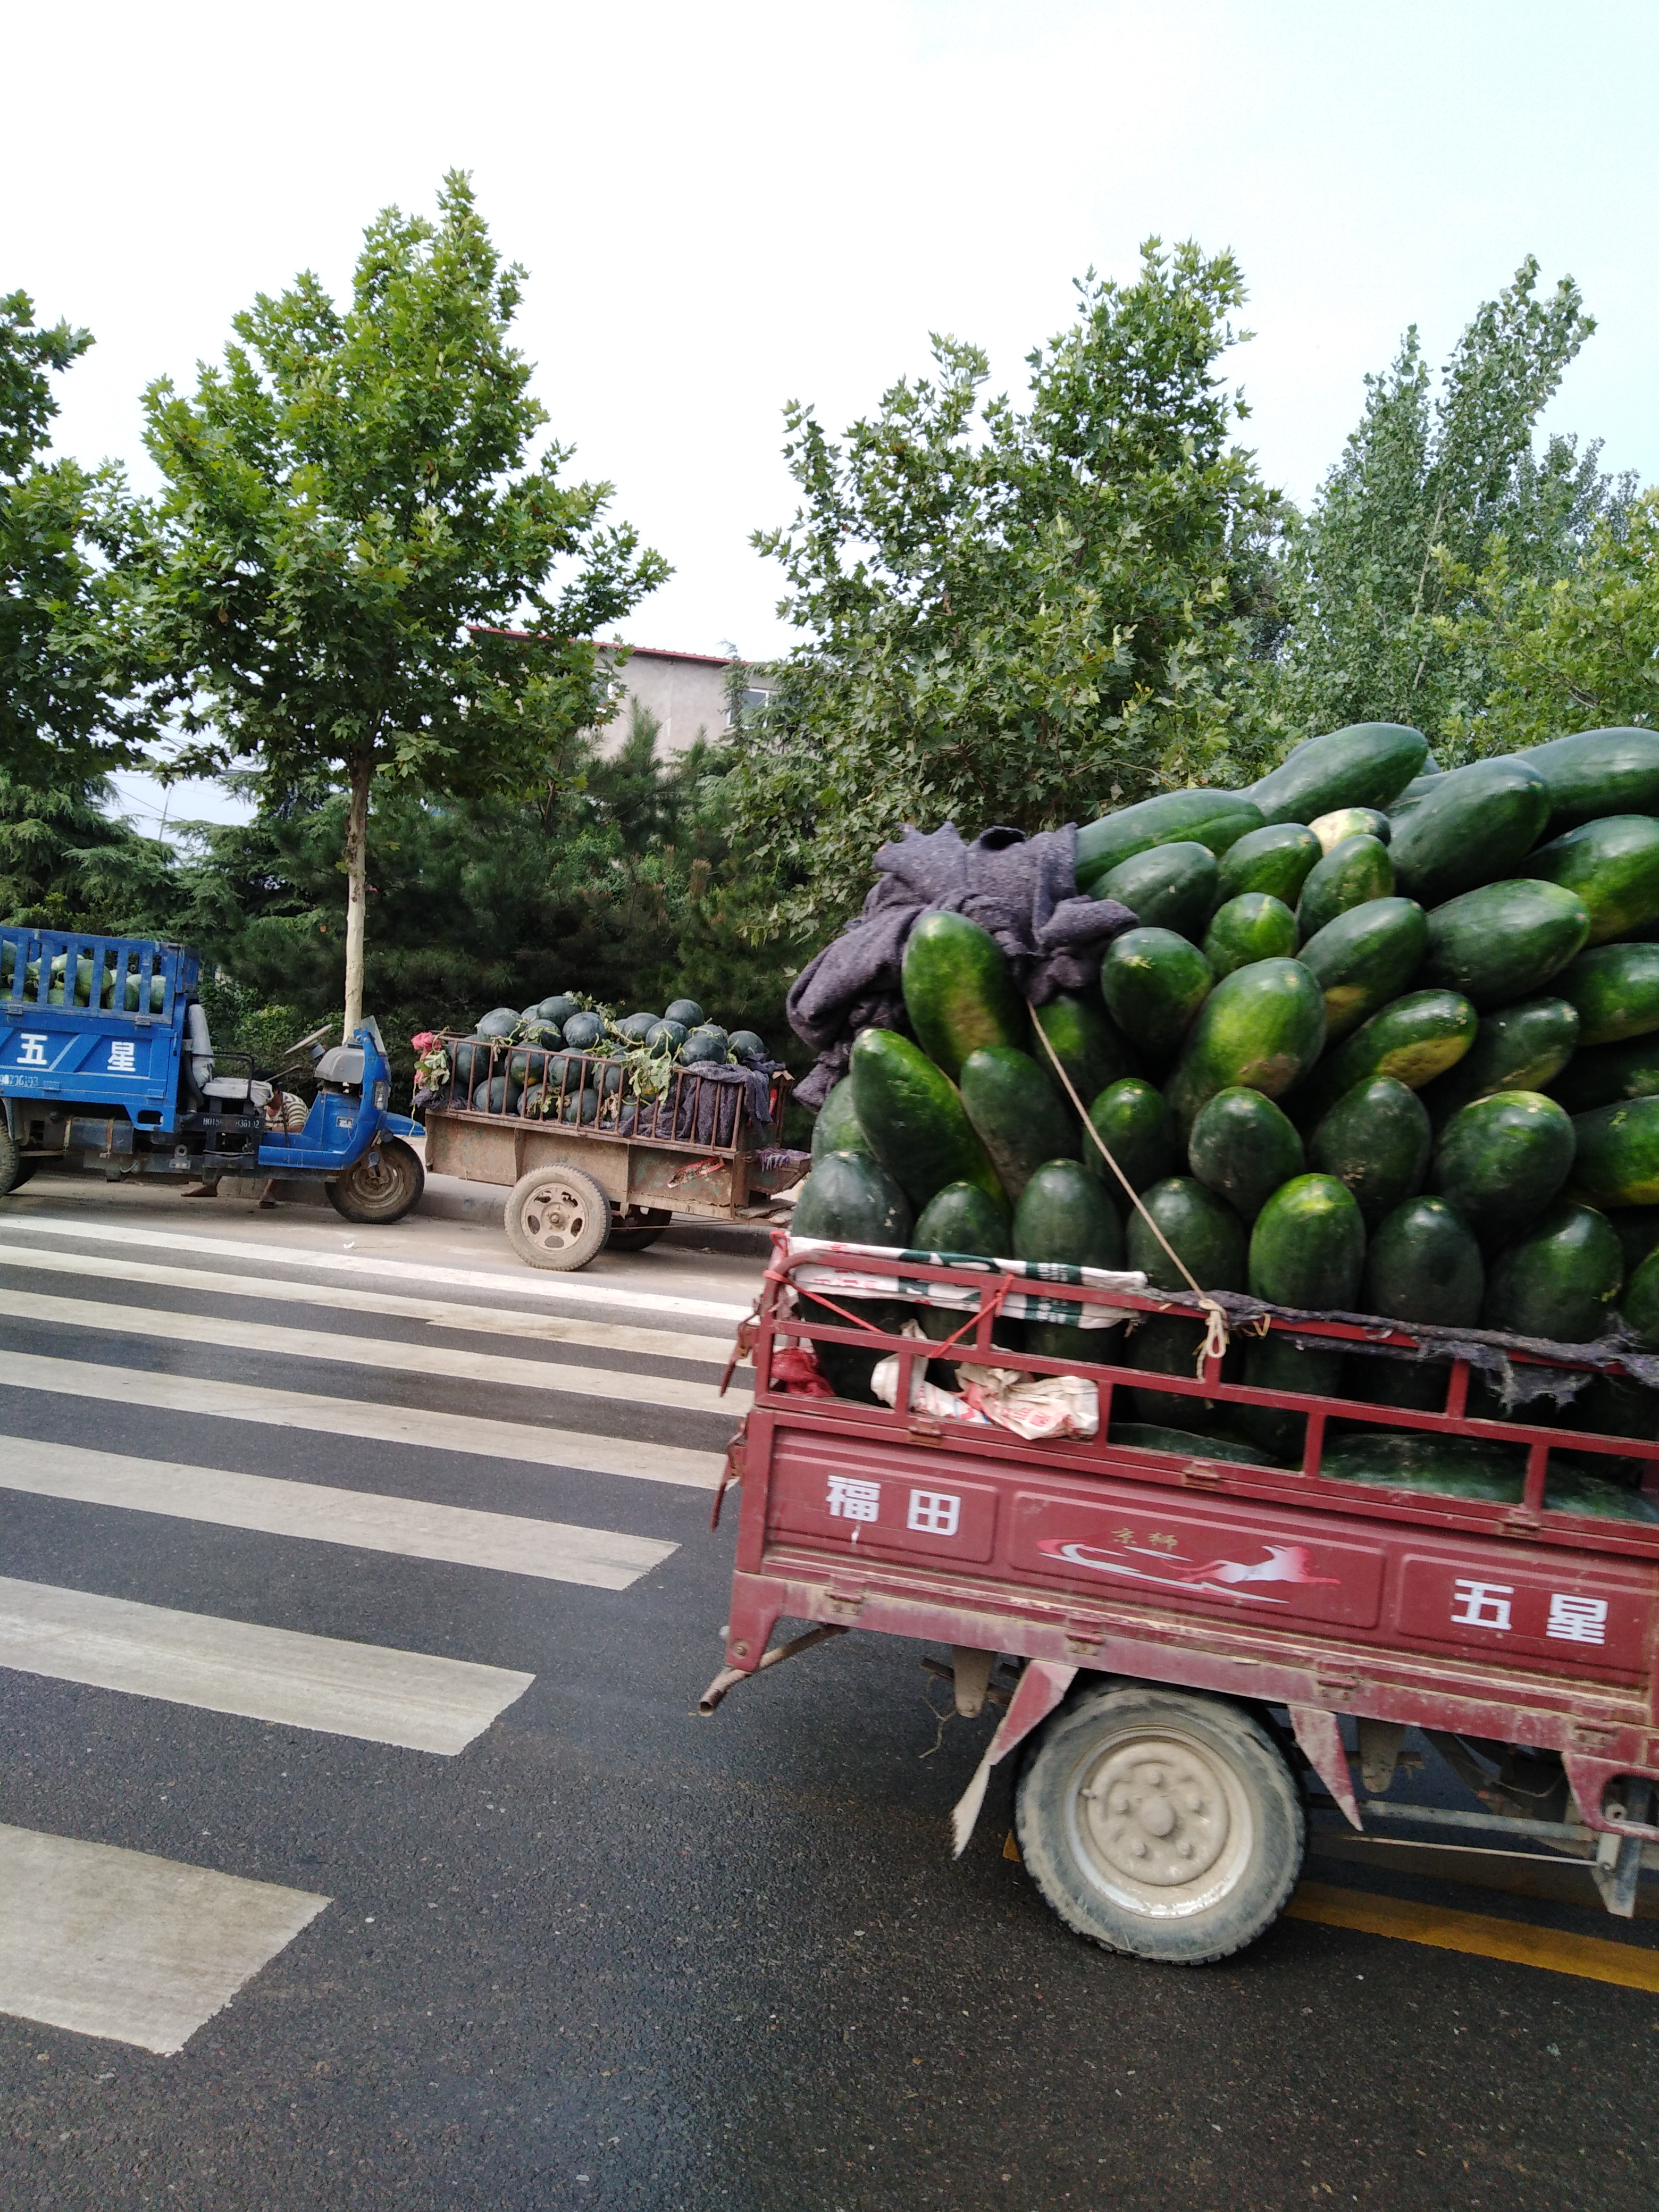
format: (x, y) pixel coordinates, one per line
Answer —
(958, 991)
(702, 1048)
(913, 1116)
(1617, 1160)
(1558, 1279)
(1523, 1048)
(1473, 827)
(1307, 1247)
(556, 1010)
(1206, 1236)
(837, 1128)
(1242, 1148)
(497, 1096)
(1615, 991)
(1262, 1026)
(1275, 861)
(583, 1031)
(1364, 765)
(1597, 772)
(667, 1038)
(1063, 1216)
(1134, 1125)
(850, 1198)
(686, 1011)
(1168, 887)
(1505, 940)
(1355, 871)
(499, 1022)
(1252, 926)
(748, 1048)
(636, 1028)
(1365, 959)
(1375, 1141)
(1153, 983)
(1214, 818)
(1019, 1119)
(1502, 1160)
(1613, 866)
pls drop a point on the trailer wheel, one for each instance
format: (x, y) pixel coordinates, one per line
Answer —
(379, 1193)
(636, 1229)
(557, 1216)
(1160, 1823)
(14, 1168)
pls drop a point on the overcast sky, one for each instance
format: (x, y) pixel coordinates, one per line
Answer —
(724, 207)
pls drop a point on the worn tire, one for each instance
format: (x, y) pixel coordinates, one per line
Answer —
(377, 1195)
(636, 1229)
(15, 1170)
(557, 1217)
(1183, 1780)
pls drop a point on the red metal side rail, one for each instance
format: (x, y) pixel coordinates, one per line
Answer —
(1514, 1622)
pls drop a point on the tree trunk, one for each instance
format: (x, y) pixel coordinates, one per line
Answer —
(356, 858)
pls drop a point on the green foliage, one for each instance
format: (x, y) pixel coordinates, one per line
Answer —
(69, 700)
(1574, 652)
(1379, 573)
(67, 863)
(1010, 617)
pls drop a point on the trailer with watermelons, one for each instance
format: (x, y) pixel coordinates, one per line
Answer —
(1263, 1342)
(604, 1127)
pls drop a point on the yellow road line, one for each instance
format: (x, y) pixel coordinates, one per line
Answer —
(1591, 1957)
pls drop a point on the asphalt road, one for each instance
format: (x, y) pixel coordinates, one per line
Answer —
(600, 1952)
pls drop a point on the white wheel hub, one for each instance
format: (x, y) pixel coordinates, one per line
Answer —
(554, 1217)
(1159, 1824)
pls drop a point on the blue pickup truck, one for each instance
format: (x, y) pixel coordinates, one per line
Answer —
(107, 1064)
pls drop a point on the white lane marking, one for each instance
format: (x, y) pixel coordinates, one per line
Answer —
(122, 1944)
(459, 1535)
(436, 1313)
(614, 1384)
(572, 1288)
(370, 1691)
(525, 1441)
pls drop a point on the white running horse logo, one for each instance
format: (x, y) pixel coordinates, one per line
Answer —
(1284, 1563)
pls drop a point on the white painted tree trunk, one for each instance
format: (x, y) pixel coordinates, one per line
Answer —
(356, 855)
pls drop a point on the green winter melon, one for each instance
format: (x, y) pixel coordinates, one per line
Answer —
(1336, 828)
(1365, 959)
(1133, 1124)
(1640, 1303)
(1154, 1436)
(1213, 818)
(1414, 1040)
(1523, 1047)
(1501, 1161)
(1154, 982)
(1017, 1113)
(1558, 1279)
(1262, 1026)
(1505, 940)
(1447, 1467)
(1617, 1158)
(1363, 765)
(958, 991)
(1168, 1344)
(1252, 926)
(1615, 991)
(1598, 772)
(1205, 1233)
(1063, 1216)
(1424, 1265)
(1354, 872)
(1609, 1074)
(1169, 887)
(1473, 827)
(1086, 1043)
(1242, 1148)
(1274, 861)
(837, 1128)
(913, 1116)
(850, 1198)
(961, 1218)
(1273, 1363)
(1375, 1141)
(1307, 1247)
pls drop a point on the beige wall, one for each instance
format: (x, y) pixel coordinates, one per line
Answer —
(686, 693)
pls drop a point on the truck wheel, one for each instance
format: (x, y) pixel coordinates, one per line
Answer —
(638, 1227)
(1160, 1823)
(557, 1217)
(14, 1168)
(380, 1194)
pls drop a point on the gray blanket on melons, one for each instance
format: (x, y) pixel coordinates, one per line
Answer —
(1022, 890)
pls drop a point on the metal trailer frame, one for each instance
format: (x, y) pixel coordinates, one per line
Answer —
(638, 1172)
(1512, 1624)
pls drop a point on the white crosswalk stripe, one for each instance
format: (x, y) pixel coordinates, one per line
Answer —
(566, 1289)
(409, 1698)
(621, 1385)
(436, 1313)
(125, 1945)
(461, 1535)
(525, 1441)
